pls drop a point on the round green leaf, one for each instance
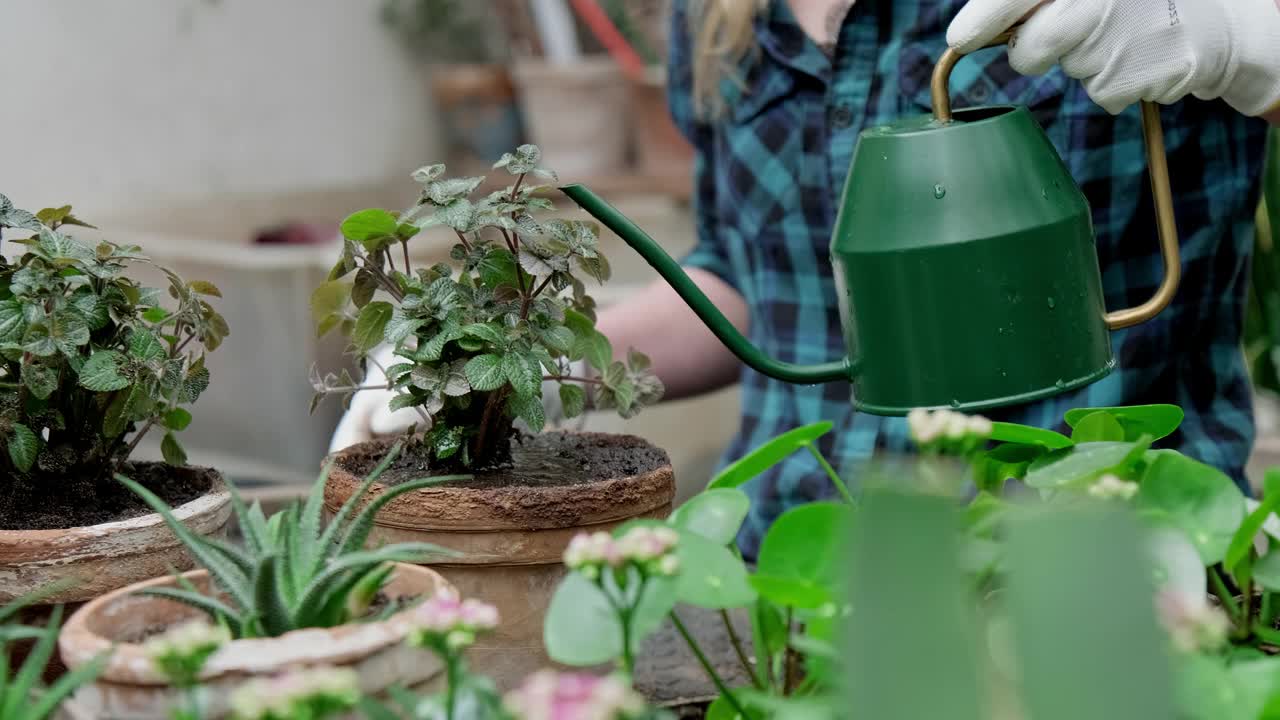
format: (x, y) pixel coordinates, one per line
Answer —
(177, 419)
(791, 592)
(101, 372)
(1198, 499)
(807, 543)
(1098, 427)
(769, 454)
(329, 299)
(582, 629)
(1077, 466)
(484, 372)
(1266, 571)
(710, 575)
(172, 450)
(1158, 421)
(715, 514)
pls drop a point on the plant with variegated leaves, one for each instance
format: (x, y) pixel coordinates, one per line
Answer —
(475, 342)
(90, 360)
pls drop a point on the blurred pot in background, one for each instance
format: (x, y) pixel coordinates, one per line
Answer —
(464, 49)
(577, 112)
(661, 150)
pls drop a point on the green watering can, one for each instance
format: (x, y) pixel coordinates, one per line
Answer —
(965, 264)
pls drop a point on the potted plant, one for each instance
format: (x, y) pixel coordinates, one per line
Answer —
(461, 45)
(473, 346)
(90, 362)
(296, 593)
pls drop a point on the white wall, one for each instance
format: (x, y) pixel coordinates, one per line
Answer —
(116, 105)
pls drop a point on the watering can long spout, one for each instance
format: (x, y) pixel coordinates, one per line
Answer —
(711, 316)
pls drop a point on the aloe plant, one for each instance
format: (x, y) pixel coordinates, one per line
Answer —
(291, 573)
(23, 695)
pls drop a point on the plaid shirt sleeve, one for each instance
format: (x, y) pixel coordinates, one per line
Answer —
(709, 252)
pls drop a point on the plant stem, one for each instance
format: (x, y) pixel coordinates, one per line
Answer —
(404, 247)
(461, 238)
(1228, 601)
(137, 438)
(451, 685)
(573, 378)
(706, 665)
(737, 649)
(788, 656)
(1265, 614)
(831, 473)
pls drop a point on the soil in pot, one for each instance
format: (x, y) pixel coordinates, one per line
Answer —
(512, 525)
(83, 501)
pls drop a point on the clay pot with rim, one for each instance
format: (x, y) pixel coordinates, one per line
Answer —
(130, 687)
(478, 112)
(95, 559)
(512, 536)
(577, 113)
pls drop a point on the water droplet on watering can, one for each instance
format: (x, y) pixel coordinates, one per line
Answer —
(1004, 374)
(999, 331)
(955, 403)
(1051, 303)
(1060, 384)
(939, 191)
(1044, 193)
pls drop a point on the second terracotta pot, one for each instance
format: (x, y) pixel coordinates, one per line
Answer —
(511, 538)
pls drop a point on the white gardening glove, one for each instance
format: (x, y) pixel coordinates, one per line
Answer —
(369, 415)
(1131, 50)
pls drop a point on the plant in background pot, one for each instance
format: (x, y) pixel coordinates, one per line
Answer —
(22, 695)
(462, 45)
(297, 593)
(474, 345)
(90, 362)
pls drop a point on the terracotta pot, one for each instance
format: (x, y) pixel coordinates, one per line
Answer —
(512, 539)
(101, 558)
(478, 111)
(661, 150)
(130, 687)
(577, 114)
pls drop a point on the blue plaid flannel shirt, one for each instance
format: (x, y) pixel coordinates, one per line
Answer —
(768, 175)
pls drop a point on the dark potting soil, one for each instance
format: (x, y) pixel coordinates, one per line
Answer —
(76, 502)
(549, 459)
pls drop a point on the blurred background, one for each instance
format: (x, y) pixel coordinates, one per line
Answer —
(230, 137)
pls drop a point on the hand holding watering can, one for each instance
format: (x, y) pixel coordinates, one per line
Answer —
(1130, 50)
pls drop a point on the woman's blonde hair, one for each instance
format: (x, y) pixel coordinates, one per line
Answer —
(723, 34)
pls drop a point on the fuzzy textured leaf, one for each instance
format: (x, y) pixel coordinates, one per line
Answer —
(101, 373)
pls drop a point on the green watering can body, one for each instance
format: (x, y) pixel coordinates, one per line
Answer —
(965, 264)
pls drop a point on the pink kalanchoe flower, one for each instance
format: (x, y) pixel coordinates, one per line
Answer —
(547, 695)
(445, 614)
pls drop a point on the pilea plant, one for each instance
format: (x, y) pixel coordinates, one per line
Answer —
(475, 343)
(91, 360)
(291, 572)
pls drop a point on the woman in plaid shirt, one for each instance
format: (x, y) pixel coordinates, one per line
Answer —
(773, 96)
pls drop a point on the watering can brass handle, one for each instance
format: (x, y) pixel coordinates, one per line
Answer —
(1158, 167)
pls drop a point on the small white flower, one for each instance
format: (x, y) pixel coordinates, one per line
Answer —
(669, 565)
(588, 549)
(445, 618)
(1110, 487)
(547, 695)
(1192, 623)
(295, 694)
(981, 426)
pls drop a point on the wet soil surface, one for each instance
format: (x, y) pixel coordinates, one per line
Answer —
(668, 674)
(55, 503)
(551, 459)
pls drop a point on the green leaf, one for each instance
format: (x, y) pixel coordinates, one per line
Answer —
(529, 409)
(24, 446)
(1098, 427)
(1198, 499)
(172, 450)
(497, 268)
(791, 592)
(101, 372)
(573, 399)
(1158, 421)
(195, 383)
(202, 287)
(329, 299)
(806, 543)
(582, 629)
(11, 322)
(1077, 466)
(371, 326)
(710, 575)
(1244, 537)
(363, 288)
(485, 372)
(177, 419)
(715, 514)
(155, 314)
(1027, 435)
(769, 454)
(367, 225)
(488, 332)
(40, 379)
(401, 326)
(145, 346)
(597, 350)
(1266, 571)
(523, 374)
